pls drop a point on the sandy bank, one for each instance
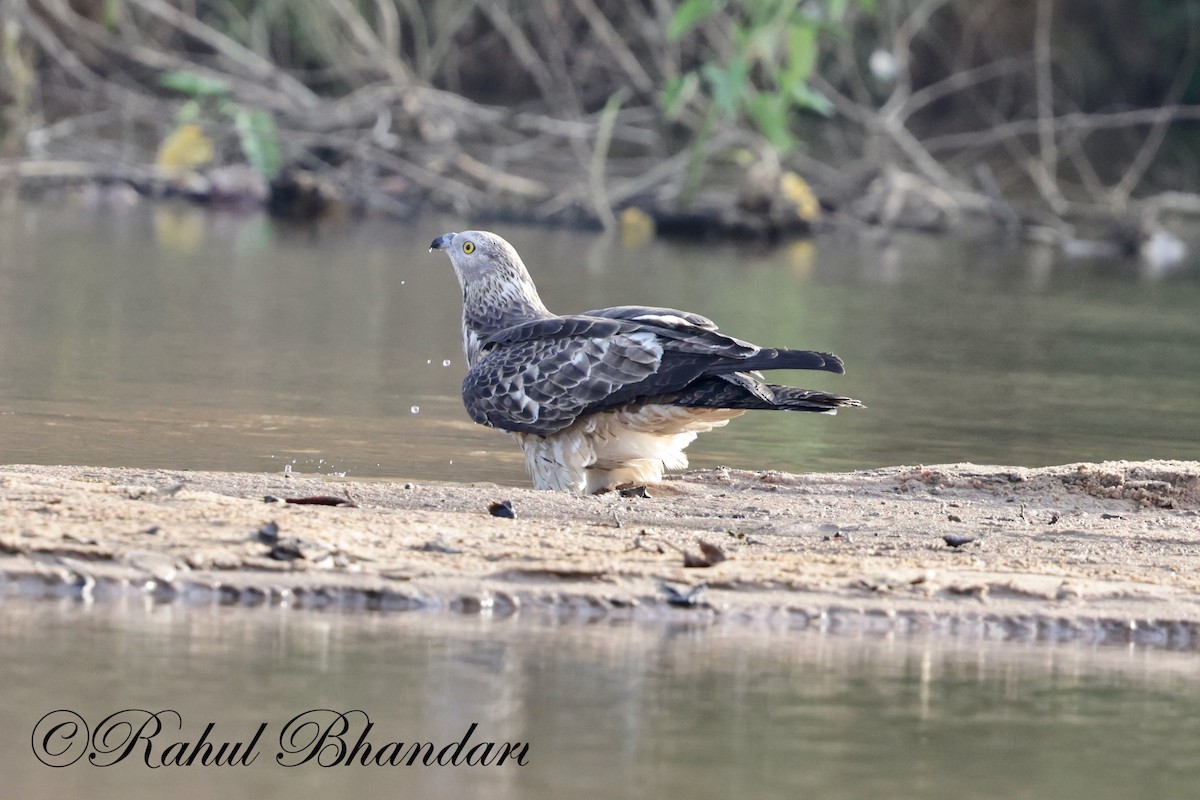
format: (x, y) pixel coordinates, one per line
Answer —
(1094, 551)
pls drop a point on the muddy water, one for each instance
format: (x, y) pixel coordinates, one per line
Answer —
(608, 710)
(171, 337)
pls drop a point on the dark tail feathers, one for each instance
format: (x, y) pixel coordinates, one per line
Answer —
(720, 392)
(769, 358)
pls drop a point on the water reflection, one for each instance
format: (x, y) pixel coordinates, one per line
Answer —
(174, 337)
(610, 710)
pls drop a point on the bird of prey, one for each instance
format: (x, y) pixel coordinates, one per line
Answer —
(611, 397)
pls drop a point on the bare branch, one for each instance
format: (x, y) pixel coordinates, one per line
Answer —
(257, 67)
(526, 56)
(893, 129)
(504, 181)
(370, 43)
(1073, 121)
(901, 50)
(957, 82)
(1158, 129)
(615, 44)
(1046, 180)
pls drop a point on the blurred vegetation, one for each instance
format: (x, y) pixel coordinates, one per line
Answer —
(211, 100)
(1027, 114)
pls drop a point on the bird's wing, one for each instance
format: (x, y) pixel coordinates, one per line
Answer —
(654, 315)
(543, 385)
(676, 332)
(540, 376)
(552, 328)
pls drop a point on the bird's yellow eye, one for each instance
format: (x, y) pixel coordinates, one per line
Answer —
(468, 247)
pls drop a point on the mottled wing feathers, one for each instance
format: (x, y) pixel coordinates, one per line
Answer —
(654, 314)
(684, 337)
(553, 328)
(696, 334)
(540, 376)
(543, 385)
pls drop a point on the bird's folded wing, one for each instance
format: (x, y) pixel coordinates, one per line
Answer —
(551, 328)
(675, 333)
(540, 376)
(667, 317)
(542, 385)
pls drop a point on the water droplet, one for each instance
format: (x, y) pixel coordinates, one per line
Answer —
(401, 283)
(415, 410)
(429, 361)
(452, 461)
(445, 362)
(287, 469)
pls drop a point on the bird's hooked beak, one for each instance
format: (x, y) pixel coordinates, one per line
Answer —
(442, 242)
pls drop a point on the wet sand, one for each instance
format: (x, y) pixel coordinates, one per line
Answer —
(1099, 552)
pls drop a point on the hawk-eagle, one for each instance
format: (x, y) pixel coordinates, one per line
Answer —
(610, 397)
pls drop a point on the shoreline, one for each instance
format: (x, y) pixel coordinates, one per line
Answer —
(1093, 552)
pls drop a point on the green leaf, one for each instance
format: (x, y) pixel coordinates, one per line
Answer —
(741, 36)
(836, 9)
(689, 14)
(761, 45)
(770, 114)
(810, 99)
(188, 112)
(727, 85)
(259, 140)
(802, 56)
(110, 14)
(677, 93)
(193, 84)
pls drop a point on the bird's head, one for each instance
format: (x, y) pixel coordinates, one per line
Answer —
(480, 256)
(493, 278)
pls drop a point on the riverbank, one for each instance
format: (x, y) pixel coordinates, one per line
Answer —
(1103, 552)
(695, 121)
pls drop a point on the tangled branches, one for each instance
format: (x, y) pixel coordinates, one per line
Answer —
(569, 110)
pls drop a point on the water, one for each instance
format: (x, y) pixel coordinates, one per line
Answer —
(171, 337)
(608, 710)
